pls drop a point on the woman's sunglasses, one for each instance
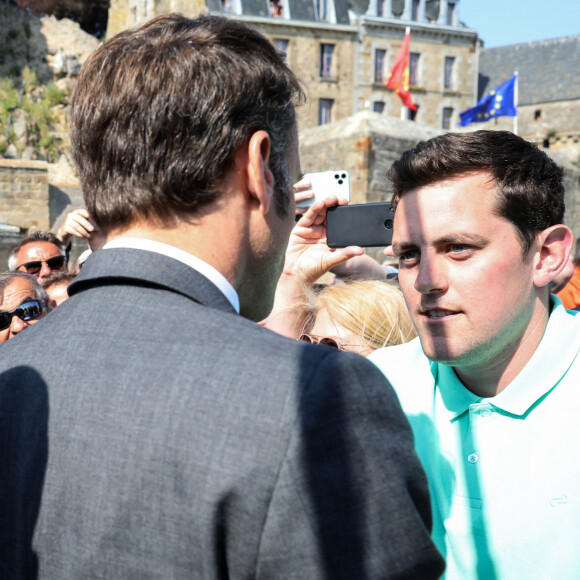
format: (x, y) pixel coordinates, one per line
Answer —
(326, 341)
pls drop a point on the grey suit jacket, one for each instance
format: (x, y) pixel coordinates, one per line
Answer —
(148, 431)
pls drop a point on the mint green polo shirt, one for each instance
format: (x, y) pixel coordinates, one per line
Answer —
(504, 472)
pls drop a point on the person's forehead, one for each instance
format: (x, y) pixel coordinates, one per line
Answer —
(38, 251)
(464, 201)
(15, 293)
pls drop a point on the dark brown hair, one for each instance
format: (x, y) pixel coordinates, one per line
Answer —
(159, 112)
(529, 184)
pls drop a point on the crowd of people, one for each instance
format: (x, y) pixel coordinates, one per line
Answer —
(199, 406)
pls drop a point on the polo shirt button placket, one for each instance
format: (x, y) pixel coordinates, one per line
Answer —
(473, 458)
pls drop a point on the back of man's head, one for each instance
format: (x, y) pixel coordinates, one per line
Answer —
(529, 183)
(159, 112)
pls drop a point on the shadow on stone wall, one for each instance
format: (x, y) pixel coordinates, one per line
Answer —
(9, 237)
(58, 202)
(23, 42)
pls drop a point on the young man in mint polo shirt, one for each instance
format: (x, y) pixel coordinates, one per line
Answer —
(492, 385)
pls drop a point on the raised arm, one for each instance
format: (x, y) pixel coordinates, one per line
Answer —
(307, 259)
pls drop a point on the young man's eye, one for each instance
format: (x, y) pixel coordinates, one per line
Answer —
(409, 256)
(460, 250)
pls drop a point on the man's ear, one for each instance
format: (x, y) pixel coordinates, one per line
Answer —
(260, 179)
(554, 245)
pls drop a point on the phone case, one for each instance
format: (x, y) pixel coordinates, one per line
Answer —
(366, 225)
(327, 183)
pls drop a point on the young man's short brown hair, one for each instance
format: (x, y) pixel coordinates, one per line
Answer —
(159, 112)
(529, 184)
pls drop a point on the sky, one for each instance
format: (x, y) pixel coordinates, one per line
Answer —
(503, 22)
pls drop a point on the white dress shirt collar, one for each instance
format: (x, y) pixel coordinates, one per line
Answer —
(185, 257)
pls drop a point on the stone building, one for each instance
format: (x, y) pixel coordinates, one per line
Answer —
(343, 50)
(549, 90)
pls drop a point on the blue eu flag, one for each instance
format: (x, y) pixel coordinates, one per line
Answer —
(500, 102)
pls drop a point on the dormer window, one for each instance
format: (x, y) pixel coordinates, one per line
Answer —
(325, 11)
(415, 10)
(450, 13)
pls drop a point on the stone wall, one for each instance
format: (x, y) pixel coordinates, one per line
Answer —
(24, 194)
(52, 48)
(24, 201)
(21, 41)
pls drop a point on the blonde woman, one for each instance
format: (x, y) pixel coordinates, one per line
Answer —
(359, 316)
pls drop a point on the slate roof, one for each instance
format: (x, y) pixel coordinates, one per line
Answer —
(299, 9)
(548, 69)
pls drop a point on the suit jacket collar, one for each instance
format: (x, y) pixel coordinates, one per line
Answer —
(143, 268)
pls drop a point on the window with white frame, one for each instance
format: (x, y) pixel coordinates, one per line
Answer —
(447, 116)
(380, 56)
(381, 7)
(448, 73)
(414, 69)
(327, 61)
(325, 111)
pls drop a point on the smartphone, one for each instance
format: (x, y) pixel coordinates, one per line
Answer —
(327, 183)
(365, 224)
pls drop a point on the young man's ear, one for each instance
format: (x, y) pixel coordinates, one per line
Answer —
(260, 179)
(554, 247)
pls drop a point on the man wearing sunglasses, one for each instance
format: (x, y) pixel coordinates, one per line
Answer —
(39, 254)
(23, 302)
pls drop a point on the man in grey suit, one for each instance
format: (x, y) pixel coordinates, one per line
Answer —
(153, 432)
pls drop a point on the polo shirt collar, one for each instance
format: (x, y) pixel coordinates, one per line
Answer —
(549, 363)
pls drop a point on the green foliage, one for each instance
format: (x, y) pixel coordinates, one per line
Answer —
(8, 96)
(29, 79)
(54, 96)
(12, 34)
(37, 102)
(38, 111)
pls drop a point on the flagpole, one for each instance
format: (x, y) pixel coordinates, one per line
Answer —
(516, 102)
(403, 108)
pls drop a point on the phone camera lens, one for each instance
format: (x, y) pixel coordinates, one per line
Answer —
(340, 182)
(336, 176)
(343, 175)
(389, 224)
